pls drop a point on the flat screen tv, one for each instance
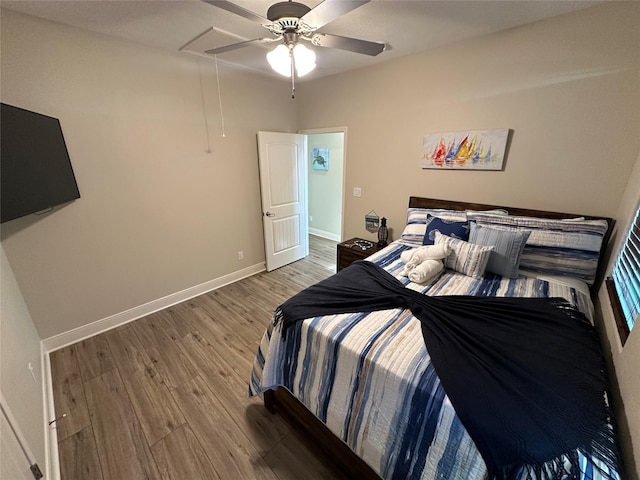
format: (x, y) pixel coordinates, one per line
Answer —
(35, 168)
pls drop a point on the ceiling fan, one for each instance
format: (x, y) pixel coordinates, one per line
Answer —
(292, 22)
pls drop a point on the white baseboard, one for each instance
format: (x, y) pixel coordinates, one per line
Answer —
(99, 326)
(325, 234)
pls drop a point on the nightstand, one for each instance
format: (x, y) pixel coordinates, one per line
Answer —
(354, 249)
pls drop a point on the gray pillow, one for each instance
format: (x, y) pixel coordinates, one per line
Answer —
(508, 245)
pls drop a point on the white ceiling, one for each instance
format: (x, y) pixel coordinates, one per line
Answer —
(407, 26)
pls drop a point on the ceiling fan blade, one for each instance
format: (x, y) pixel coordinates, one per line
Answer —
(346, 43)
(238, 10)
(329, 10)
(235, 46)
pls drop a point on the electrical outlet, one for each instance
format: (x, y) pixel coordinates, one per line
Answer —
(357, 192)
(35, 470)
(240, 255)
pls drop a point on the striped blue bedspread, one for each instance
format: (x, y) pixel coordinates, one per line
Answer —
(372, 383)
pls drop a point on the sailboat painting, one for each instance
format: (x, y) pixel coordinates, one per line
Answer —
(467, 150)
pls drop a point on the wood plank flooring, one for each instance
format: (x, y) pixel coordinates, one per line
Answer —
(165, 397)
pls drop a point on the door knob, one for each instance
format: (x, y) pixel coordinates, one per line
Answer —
(269, 214)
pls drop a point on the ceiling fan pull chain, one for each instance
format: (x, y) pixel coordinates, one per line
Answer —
(219, 95)
(293, 73)
(204, 109)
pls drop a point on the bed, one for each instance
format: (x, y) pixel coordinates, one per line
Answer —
(364, 385)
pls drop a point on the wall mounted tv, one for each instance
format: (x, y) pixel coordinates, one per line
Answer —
(35, 168)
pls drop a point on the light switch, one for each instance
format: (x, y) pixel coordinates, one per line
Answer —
(357, 192)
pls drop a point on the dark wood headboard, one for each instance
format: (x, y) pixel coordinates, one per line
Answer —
(420, 202)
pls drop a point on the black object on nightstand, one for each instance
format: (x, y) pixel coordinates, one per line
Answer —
(354, 249)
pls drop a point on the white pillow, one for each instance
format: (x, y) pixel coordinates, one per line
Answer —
(465, 257)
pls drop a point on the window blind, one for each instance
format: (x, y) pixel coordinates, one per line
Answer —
(626, 273)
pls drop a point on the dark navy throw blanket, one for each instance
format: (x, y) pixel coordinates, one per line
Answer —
(526, 376)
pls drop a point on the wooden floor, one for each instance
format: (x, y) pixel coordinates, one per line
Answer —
(165, 396)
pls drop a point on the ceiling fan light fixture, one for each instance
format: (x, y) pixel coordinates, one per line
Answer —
(305, 59)
(280, 60)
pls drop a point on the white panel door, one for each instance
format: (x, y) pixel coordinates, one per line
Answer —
(283, 185)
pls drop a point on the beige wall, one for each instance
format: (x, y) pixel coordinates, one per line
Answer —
(569, 87)
(158, 213)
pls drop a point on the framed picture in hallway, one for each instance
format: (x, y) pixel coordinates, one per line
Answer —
(320, 159)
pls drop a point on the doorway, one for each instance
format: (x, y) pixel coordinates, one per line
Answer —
(326, 152)
(302, 191)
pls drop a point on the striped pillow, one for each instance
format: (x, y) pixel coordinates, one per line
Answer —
(569, 247)
(465, 257)
(416, 227)
(508, 246)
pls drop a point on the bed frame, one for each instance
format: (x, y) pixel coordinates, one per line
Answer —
(334, 449)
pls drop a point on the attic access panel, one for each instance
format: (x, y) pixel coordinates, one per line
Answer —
(253, 58)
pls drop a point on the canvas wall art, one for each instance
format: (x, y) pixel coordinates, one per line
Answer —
(465, 150)
(320, 159)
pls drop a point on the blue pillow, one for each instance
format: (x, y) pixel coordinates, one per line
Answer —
(450, 228)
(508, 246)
